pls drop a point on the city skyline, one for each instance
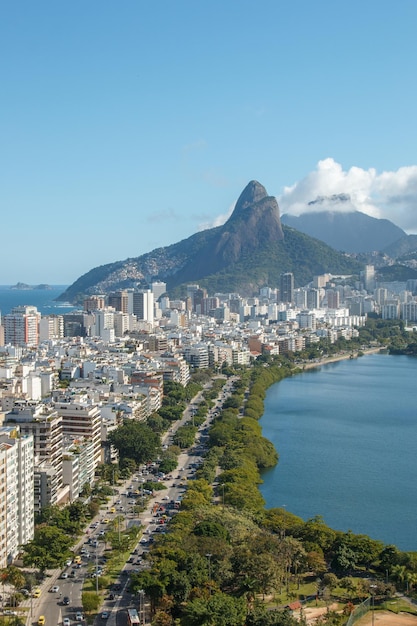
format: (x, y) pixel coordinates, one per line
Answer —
(131, 127)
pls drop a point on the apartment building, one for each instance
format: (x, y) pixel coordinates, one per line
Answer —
(143, 305)
(21, 326)
(16, 493)
(45, 426)
(81, 420)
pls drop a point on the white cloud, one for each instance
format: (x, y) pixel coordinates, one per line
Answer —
(390, 195)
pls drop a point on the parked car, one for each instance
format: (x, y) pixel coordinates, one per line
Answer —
(41, 620)
(65, 601)
(66, 621)
(55, 589)
(79, 616)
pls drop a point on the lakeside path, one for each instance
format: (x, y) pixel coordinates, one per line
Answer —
(343, 356)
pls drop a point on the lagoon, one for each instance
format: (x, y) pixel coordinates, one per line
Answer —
(346, 434)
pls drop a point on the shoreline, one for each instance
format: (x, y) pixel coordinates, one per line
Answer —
(339, 357)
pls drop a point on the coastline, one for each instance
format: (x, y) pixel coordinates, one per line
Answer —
(338, 357)
(375, 531)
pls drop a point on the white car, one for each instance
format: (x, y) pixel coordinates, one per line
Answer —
(79, 616)
(66, 621)
(55, 589)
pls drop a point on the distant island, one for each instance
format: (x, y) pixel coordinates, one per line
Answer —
(25, 287)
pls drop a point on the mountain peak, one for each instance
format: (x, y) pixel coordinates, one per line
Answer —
(244, 253)
(253, 193)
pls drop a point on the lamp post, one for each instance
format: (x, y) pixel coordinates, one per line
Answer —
(372, 588)
(97, 567)
(141, 606)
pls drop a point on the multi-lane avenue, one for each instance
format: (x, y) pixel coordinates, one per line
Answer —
(59, 602)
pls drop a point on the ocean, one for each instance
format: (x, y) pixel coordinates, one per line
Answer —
(43, 299)
(346, 434)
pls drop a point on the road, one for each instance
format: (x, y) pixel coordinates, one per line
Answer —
(92, 544)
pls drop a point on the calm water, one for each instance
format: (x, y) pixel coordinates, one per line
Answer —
(346, 434)
(43, 299)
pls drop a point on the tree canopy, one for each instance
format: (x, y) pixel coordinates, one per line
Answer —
(136, 441)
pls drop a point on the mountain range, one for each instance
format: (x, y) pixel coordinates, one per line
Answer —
(350, 231)
(252, 249)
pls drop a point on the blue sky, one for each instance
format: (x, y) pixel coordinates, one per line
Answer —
(132, 125)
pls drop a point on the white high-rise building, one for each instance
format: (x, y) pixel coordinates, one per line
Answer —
(16, 493)
(21, 326)
(103, 322)
(143, 305)
(81, 419)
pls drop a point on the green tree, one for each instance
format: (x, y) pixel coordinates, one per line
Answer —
(136, 441)
(90, 601)
(48, 549)
(218, 610)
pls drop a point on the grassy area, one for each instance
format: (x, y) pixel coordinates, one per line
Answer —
(397, 605)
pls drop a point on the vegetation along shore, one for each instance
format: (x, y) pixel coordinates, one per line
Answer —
(225, 559)
(268, 566)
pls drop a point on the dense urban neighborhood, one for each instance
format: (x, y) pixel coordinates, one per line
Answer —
(131, 456)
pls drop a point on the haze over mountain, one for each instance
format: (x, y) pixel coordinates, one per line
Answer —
(345, 230)
(250, 250)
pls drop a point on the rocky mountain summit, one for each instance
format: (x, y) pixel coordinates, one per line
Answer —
(250, 250)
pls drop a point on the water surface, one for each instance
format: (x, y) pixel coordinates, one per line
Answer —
(346, 434)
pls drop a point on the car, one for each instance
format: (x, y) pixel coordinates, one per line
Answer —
(79, 616)
(41, 620)
(66, 621)
(65, 601)
(104, 615)
(111, 596)
(36, 593)
(64, 575)
(106, 520)
(25, 592)
(68, 562)
(55, 589)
